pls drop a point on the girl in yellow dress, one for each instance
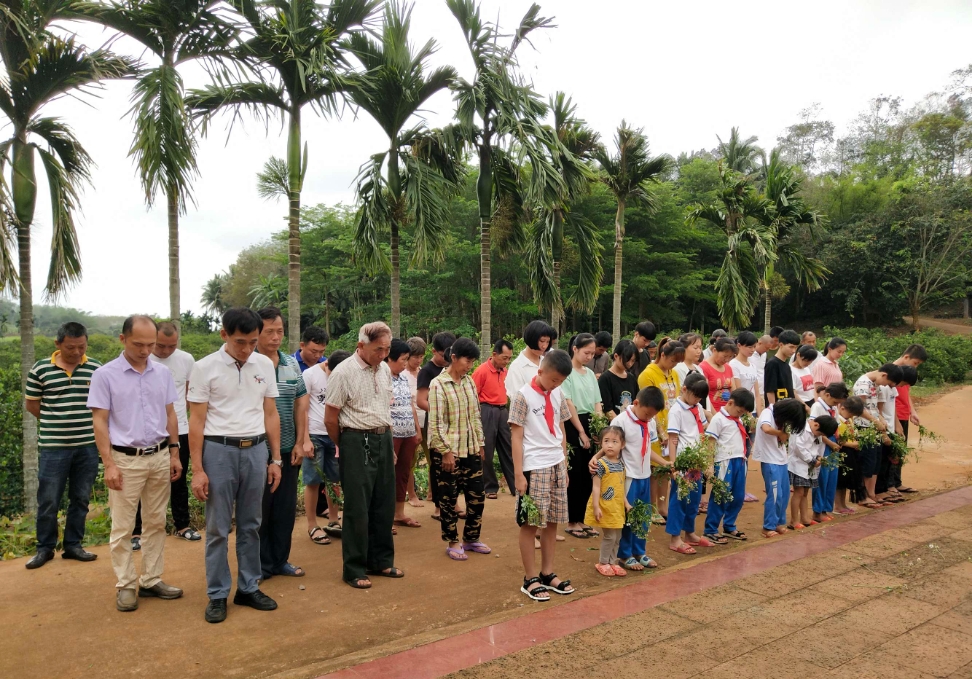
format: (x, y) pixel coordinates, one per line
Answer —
(607, 506)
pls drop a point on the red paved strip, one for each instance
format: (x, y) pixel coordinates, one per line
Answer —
(478, 646)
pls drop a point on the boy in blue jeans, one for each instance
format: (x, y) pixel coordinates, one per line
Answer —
(828, 401)
(769, 449)
(730, 436)
(686, 427)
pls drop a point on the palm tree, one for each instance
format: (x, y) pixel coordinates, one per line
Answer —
(742, 213)
(41, 67)
(271, 290)
(628, 174)
(739, 155)
(790, 221)
(212, 297)
(421, 168)
(571, 146)
(297, 46)
(176, 32)
(500, 114)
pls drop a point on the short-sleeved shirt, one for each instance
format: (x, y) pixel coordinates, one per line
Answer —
(180, 363)
(290, 387)
(315, 381)
(403, 417)
(765, 446)
(682, 423)
(887, 396)
(65, 421)
(720, 384)
(541, 447)
(428, 373)
(136, 401)
(868, 391)
(902, 404)
(582, 390)
(599, 364)
(826, 371)
(636, 466)
(728, 437)
(235, 393)
(803, 384)
(778, 379)
(617, 393)
(747, 375)
(670, 385)
(363, 393)
(758, 361)
(821, 409)
(490, 384)
(519, 374)
(455, 423)
(300, 360)
(802, 448)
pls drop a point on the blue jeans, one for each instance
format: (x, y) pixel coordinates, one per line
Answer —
(733, 472)
(826, 490)
(631, 545)
(776, 479)
(76, 468)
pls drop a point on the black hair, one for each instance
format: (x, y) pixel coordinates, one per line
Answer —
(689, 338)
(724, 344)
(746, 339)
(242, 320)
(744, 399)
(442, 340)
(697, 385)
(129, 323)
(558, 361)
(776, 331)
(909, 375)
(670, 347)
(502, 344)
(854, 405)
(916, 351)
(652, 345)
(892, 371)
(603, 339)
(613, 429)
(647, 330)
(834, 343)
(168, 328)
(792, 412)
(579, 342)
(807, 352)
(315, 335)
(837, 390)
(397, 348)
(716, 334)
(337, 357)
(626, 350)
(789, 337)
(269, 313)
(71, 329)
(827, 424)
(463, 348)
(651, 397)
(536, 330)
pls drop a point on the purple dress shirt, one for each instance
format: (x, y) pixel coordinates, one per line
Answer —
(135, 401)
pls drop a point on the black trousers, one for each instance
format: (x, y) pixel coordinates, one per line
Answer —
(368, 482)
(433, 472)
(279, 515)
(496, 432)
(581, 482)
(180, 493)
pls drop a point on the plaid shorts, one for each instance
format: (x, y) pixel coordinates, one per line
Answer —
(547, 487)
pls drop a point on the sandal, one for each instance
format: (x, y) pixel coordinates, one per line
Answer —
(716, 539)
(618, 571)
(684, 548)
(478, 547)
(750, 498)
(437, 517)
(769, 533)
(606, 569)
(579, 533)
(456, 553)
(734, 534)
(321, 539)
(390, 572)
(632, 564)
(189, 534)
(647, 561)
(538, 593)
(591, 532)
(360, 583)
(333, 529)
(291, 570)
(658, 520)
(562, 588)
(824, 519)
(907, 489)
(408, 523)
(704, 542)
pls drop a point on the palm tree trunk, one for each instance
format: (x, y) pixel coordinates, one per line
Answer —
(618, 251)
(767, 311)
(175, 306)
(395, 187)
(557, 308)
(484, 192)
(293, 227)
(26, 362)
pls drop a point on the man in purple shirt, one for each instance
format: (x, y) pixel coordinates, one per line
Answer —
(137, 434)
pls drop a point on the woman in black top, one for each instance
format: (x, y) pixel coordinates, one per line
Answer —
(619, 386)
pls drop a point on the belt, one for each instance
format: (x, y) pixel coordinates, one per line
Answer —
(495, 405)
(378, 431)
(150, 450)
(237, 441)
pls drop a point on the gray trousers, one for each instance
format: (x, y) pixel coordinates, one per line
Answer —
(496, 432)
(610, 541)
(236, 477)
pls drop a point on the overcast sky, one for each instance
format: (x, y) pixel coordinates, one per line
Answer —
(685, 71)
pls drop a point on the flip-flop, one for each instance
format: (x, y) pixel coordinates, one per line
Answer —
(605, 569)
(826, 518)
(647, 561)
(333, 529)
(408, 523)
(359, 583)
(770, 534)
(907, 490)
(632, 564)
(291, 570)
(618, 571)
(703, 542)
(845, 510)
(390, 572)
(683, 549)
(478, 547)
(578, 533)
(456, 553)
(750, 498)
(590, 531)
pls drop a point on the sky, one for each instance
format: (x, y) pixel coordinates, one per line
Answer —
(684, 71)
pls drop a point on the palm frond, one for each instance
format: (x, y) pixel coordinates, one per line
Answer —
(539, 261)
(259, 98)
(9, 278)
(65, 267)
(590, 272)
(274, 180)
(530, 22)
(737, 285)
(61, 140)
(374, 215)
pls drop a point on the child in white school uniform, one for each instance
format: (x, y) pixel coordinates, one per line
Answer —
(730, 436)
(827, 404)
(806, 451)
(773, 429)
(686, 427)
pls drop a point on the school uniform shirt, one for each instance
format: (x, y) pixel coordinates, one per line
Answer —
(235, 393)
(542, 448)
(747, 375)
(778, 379)
(315, 380)
(887, 396)
(617, 393)
(765, 446)
(802, 450)
(821, 409)
(803, 388)
(868, 391)
(758, 361)
(636, 465)
(683, 423)
(728, 436)
(720, 384)
(521, 371)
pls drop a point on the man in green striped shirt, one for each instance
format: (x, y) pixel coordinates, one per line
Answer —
(57, 395)
(293, 403)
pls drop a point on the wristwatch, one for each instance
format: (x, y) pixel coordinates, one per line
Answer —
(279, 463)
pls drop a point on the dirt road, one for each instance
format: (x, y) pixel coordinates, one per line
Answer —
(948, 327)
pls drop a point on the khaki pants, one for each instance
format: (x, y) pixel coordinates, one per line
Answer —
(144, 478)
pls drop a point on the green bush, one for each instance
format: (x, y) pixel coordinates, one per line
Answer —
(11, 459)
(949, 356)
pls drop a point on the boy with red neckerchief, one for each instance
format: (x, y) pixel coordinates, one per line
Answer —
(730, 437)
(686, 427)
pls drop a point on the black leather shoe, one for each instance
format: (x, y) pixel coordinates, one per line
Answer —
(78, 554)
(216, 610)
(255, 599)
(39, 559)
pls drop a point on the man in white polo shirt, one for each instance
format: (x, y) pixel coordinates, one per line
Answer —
(233, 421)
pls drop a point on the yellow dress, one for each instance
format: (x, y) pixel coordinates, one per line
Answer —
(612, 496)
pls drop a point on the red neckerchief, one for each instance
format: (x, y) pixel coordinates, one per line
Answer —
(739, 424)
(644, 433)
(698, 420)
(548, 413)
(828, 408)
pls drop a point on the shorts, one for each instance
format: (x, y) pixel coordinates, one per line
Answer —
(870, 460)
(799, 481)
(324, 464)
(547, 487)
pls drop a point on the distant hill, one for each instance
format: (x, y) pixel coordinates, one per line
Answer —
(47, 319)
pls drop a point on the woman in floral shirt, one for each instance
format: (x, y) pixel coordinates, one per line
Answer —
(405, 427)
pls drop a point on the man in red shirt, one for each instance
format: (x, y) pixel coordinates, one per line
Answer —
(490, 381)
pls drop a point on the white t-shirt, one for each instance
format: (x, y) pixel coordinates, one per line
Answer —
(315, 379)
(706, 352)
(765, 446)
(821, 409)
(886, 397)
(180, 364)
(803, 449)
(635, 466)
(541, 449)
(519, 374)
(683, 424)
(868, 391)
(728, 438)
(803, 388)
(758, 361)
(748, 375)
(235, 395)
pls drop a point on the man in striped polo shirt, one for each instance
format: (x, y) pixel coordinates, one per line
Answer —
(57, 395)
(293, 403)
